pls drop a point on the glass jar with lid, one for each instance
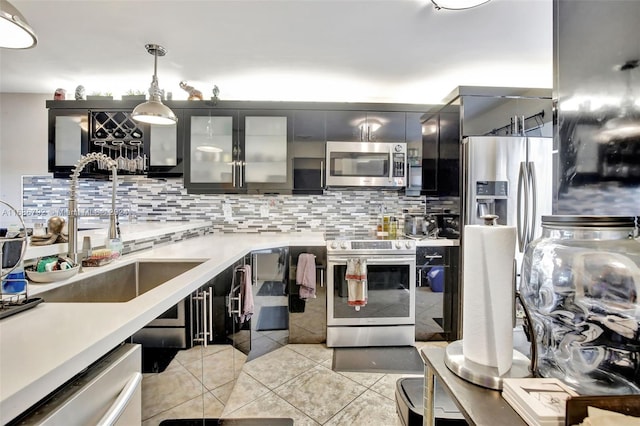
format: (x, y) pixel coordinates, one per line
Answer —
(580, 282)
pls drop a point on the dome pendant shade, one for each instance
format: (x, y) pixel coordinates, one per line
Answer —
(457, 4)
(15, 32)
(154, 111)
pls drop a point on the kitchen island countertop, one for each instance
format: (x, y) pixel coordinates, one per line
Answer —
(42, 348)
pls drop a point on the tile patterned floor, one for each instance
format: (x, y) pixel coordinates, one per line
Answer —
(293, 381)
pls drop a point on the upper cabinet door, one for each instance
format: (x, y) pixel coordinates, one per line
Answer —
(165, 149)
(211, 151)
(358, 126)
(68, 139)
(346, 126)
(265, 151)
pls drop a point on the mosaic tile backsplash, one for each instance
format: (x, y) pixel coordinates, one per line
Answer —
(166, 200)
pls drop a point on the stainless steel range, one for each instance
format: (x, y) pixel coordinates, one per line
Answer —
(381, 312)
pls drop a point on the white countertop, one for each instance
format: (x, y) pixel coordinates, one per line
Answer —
(43, 347)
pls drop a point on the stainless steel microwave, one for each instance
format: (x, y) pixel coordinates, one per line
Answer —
(366, 164)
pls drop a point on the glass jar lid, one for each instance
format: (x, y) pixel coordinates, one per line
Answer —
(568, 221)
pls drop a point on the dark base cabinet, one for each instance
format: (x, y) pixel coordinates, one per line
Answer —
(211, 321)
(437, 293)
(308, 319)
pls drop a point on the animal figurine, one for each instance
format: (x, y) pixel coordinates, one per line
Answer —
(79, 95)
(193, 93)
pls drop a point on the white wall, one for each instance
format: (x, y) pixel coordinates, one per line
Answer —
(23, 143)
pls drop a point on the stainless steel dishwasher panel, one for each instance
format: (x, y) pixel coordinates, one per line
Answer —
(109, 392)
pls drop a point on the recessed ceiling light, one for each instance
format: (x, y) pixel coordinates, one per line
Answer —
(457, 4)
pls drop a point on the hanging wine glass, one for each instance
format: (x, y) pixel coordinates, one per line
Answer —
(139, 159)
(101, 162)
(121, 161)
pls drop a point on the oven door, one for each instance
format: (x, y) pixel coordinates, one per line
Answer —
(369, 164)
(391, 292)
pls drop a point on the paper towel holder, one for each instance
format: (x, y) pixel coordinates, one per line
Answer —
(488, 377)
(490, 219)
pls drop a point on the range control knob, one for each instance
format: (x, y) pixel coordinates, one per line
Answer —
(398, 244)
(334, 245)
(344, 245)
(407, 244)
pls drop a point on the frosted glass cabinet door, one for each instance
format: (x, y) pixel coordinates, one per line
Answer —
(163, 149)
(265, 149)
(211, 149)
(68, 139)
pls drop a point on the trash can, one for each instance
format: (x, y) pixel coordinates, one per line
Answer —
(436, 279)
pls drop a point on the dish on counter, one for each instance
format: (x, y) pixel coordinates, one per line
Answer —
(51, 276)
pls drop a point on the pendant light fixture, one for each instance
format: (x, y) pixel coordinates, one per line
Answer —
(457, 4)
(626, 125)
(154, 111)
(15, 32)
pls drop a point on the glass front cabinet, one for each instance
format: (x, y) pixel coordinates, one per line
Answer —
(237, 151)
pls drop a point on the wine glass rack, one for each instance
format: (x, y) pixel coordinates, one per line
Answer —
(117, 135)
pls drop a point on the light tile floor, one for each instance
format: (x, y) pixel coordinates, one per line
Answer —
(294, 381)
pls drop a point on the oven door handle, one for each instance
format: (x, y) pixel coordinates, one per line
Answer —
(391, 260)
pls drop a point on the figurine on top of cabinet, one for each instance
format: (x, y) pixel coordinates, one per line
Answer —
(80, 93)
(216, 92)
(193, 93)
(60, 94)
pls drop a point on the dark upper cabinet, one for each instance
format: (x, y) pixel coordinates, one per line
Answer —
(211, 150)
(430, 144)
(77, 128)
(309, 138)
(165, 149)
(449, 154)
(369, 126)
(441, 154)
(413, 131)
(68, 139)
(237, 151)
(266, 151)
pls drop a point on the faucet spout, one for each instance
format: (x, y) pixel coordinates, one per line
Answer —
(107, 162)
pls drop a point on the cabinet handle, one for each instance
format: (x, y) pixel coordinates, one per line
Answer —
(121, 402)
(205, 333)
(433, 256)
(419, 272)
(211, 314)
(321, 173)
(321, 277)
(233, 173)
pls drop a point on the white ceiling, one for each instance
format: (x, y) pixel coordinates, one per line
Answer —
(301, 50)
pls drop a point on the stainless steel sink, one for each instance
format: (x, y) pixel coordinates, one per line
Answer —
(118, 285)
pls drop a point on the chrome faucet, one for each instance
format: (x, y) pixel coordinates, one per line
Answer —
(106, 162)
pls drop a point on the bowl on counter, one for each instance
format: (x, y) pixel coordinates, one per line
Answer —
(51, 276)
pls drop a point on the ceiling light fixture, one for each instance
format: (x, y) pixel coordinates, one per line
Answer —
(457, 4)
(154, 111)
(15, 32)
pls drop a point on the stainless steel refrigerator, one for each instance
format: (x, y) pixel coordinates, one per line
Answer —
(512, 177)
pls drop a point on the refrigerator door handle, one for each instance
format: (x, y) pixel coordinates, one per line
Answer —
(534, 206)
(522, 213)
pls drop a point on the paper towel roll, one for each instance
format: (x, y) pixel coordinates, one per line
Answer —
(488, 299)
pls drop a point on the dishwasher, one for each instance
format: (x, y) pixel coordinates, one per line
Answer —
(108, 392)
